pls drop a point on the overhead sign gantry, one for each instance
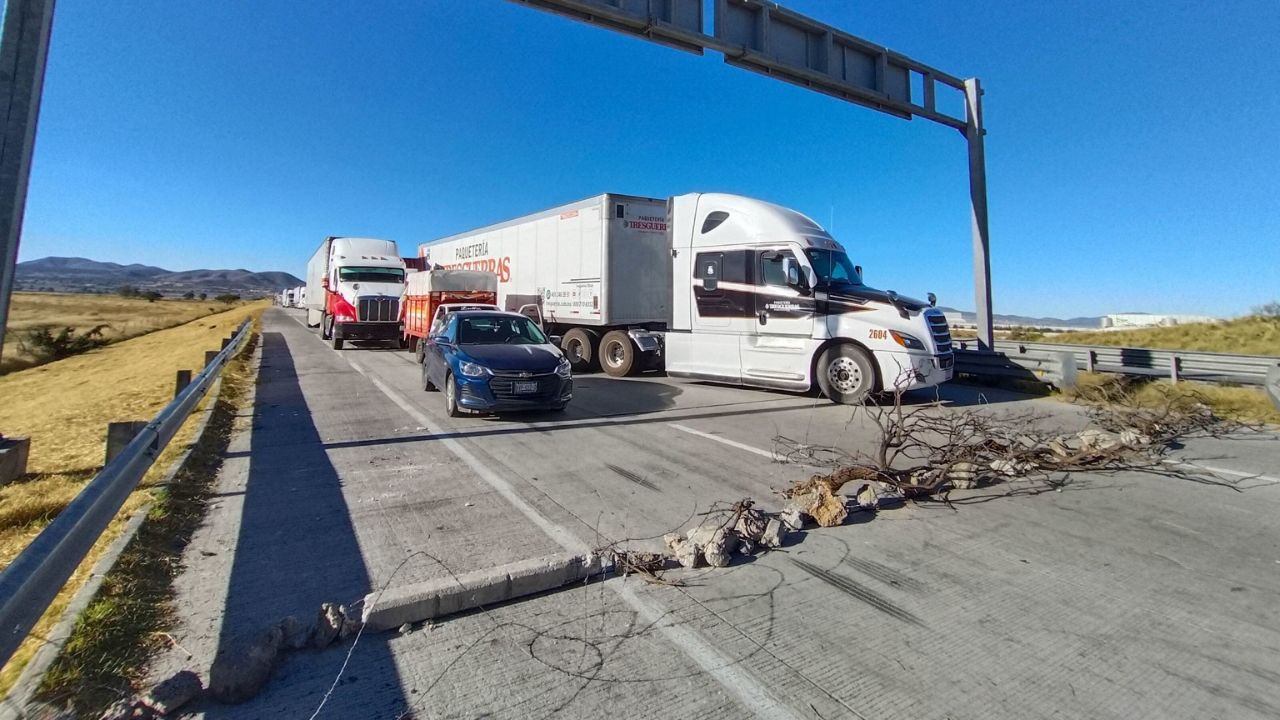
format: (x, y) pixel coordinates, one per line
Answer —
(767, 38)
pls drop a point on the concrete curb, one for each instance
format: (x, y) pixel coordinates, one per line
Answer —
(15, 704)
(455, 594)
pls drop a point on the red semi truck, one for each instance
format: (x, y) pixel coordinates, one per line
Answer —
(426, 291)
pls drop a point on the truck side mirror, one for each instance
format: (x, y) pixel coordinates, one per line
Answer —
(795, 279)
(858, 270)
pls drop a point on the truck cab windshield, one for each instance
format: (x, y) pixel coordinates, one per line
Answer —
(832, 267)
(371, 274)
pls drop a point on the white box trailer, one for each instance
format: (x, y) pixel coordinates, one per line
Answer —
(595, 263)
(710, 286)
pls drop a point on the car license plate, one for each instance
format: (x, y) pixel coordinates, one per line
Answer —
(525, 387)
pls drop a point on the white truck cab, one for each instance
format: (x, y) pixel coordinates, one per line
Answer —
(354, 287)
(762, 295)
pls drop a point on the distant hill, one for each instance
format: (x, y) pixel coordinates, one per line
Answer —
(73, 274)
(1091, 323)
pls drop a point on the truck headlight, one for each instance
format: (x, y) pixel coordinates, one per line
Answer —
(907, 341)
(564, 369)
(472, 370)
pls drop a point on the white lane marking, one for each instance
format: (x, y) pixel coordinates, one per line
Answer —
(1225, 471)
(740, 682)
(726, 441)
(1176, 526)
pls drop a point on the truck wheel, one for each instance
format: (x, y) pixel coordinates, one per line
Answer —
(579, 346)
(846, 374)
(617, 353)
(326, 327)
(337, 343)
(419, 350)
(451, 397)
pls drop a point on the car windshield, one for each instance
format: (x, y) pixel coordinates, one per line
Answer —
(498, 330)
(832, 267)
(371, 274)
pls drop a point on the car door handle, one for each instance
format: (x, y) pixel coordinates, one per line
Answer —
(764, 317)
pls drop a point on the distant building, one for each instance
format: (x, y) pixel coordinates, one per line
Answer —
(955, 318)
(1136, 320)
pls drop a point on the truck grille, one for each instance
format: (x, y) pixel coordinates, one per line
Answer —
(938, 327)
(503, 387)
(378, 309)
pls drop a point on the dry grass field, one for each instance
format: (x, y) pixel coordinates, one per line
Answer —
(1253, 335)
(64, 407)
(124, 317)
(1248, 404)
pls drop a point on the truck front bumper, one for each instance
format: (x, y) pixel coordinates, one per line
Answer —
(367, 331)
(911, 370)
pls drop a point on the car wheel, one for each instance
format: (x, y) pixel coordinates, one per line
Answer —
(451, 397)
(846, 374)
(560, 408)
(617, 354)
(579, 346)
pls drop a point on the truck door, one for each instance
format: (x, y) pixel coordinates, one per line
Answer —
(722, 312)
(778, 349)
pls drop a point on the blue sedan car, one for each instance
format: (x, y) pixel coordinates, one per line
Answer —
(489, 361)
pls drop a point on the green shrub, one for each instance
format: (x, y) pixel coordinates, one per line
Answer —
(46, 345)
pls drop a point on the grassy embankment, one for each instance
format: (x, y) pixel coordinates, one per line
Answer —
(64, 407)
(124, 317)
(1252, 335)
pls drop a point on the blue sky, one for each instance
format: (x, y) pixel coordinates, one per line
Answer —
(1132, 146)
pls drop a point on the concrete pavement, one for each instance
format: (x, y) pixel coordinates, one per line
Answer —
(1128, 595)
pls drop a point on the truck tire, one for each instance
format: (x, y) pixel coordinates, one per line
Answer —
(846, 374)
(580, 345)
(326, 327)
(337, 343)
(419, 350)
(617, 353)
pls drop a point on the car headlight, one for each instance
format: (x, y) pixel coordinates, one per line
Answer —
(472, 370)
(564, 369)
(907, 341)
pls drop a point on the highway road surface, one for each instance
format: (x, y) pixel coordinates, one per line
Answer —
(1121, 596)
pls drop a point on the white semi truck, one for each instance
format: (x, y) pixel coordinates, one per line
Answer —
(710, 286)
(353, 290)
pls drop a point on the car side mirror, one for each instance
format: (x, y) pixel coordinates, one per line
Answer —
(555, 339)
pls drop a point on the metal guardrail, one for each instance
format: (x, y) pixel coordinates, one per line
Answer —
(1053, 368)
(35, 577)
(1173, 364)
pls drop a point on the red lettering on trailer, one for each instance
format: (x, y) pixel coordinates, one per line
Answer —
(498, 266)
